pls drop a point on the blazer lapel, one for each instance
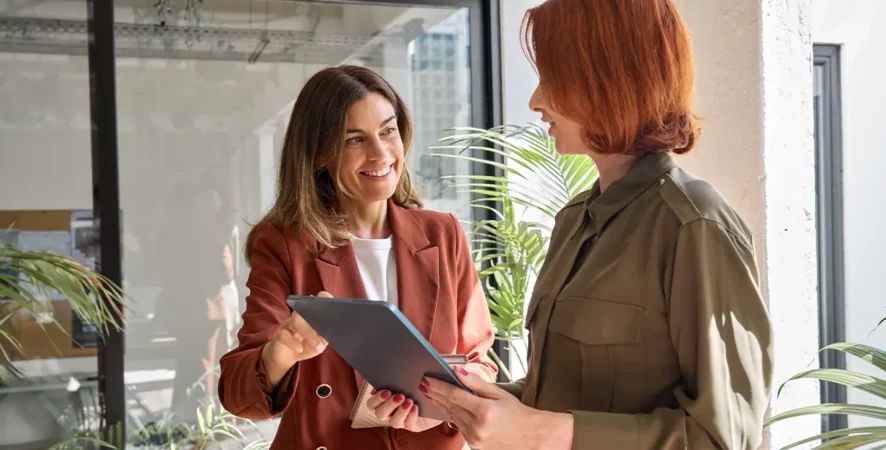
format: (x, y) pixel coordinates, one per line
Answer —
(418, 270)
(339, 273)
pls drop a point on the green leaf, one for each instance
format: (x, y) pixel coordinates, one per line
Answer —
(852, 442)
(866, 353)
(863, 382)
(832, 408)
(838, 433)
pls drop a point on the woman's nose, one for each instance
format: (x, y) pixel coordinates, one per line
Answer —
(378, 149)
(536, 102)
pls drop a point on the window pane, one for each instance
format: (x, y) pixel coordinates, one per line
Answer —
(202, 121)
(46, 180)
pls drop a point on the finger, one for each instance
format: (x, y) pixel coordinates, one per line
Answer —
(292, 342)
(411, 422)
(311, 338)
(386, 409)
(452, 396)
(324, 294)
(398, 418)
(377, 399)
(477, 384)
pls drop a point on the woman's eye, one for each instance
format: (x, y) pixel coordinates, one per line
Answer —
(389, 131)
(354, 141)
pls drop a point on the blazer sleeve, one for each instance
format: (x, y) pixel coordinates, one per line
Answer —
(243, 386)
(721, 331)
(476, 334)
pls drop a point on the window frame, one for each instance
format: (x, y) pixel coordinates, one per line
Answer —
(829, 224)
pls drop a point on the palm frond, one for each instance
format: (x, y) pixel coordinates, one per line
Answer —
(536, 176)
(29, 278)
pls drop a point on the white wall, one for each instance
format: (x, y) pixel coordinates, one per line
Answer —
(853, 25)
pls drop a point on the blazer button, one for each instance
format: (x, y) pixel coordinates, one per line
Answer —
(321, 448)
(323, 391)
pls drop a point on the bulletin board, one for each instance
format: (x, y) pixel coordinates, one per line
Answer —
(73, 233)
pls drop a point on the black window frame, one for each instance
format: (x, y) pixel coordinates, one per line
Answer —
(486, 101)
(829, 224)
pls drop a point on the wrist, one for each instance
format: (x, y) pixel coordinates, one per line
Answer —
(274, 370)
(557, 431)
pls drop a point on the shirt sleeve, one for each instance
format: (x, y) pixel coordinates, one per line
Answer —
(476, 334)
(721, 331)
(243, 387)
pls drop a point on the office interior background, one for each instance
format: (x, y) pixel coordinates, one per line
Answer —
(150, 154)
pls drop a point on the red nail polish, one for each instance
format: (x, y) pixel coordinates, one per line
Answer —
(414, 409)
(385, 395)
(423, 390)
(399, 398)
(461, 371)
(374, 392)
(425, 382)
(407, 404)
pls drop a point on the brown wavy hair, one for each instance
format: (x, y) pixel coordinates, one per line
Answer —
(622, 69)
(307, 192)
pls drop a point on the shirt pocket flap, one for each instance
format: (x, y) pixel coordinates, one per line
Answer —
(597, 322)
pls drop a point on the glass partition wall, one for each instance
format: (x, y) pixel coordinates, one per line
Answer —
(203, 95)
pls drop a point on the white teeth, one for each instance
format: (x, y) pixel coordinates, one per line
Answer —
(379, 173)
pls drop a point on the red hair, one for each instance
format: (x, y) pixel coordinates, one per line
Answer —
(622, 69)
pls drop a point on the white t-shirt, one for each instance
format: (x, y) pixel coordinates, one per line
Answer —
(375, 258)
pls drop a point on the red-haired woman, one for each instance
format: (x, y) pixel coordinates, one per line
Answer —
(648, 329)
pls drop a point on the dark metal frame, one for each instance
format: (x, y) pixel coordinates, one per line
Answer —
(485, 98)
(106, 200)
(829, 220)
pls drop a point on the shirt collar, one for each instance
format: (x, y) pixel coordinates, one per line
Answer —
(602, 207)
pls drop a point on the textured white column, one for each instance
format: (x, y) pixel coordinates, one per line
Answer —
(755, 93)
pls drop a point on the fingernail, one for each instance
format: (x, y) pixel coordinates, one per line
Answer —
(414, 409)
(374, 392)
(399, 398)
(385, 395)
(425, 382)
(407, 404)
(461, 371)
(423, 390)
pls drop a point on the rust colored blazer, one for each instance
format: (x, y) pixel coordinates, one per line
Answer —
(439, 292)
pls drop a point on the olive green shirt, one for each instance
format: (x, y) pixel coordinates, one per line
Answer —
(647, 322)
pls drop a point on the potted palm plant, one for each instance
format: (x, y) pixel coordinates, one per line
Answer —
(853, 437)
(533, 183)
(25, 280)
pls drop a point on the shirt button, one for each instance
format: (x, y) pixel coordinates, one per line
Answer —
(661, 182)
(324, 390)
(321, 448)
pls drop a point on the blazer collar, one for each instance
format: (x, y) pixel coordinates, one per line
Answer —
(418, 270)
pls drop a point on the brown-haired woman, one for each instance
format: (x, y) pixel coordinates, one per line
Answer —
(648, 329)
(347, 222)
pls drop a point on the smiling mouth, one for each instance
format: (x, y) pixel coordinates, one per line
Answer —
(379, 173)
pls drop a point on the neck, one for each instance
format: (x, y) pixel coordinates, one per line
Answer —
(612, 167)
(369, 220)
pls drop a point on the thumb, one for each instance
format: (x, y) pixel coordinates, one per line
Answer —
(324, 294)
(477, 384)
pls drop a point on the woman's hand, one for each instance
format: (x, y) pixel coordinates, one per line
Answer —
(402, 412)
(493, 419)
(293, 341)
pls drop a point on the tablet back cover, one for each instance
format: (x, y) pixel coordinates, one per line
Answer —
(380, 344)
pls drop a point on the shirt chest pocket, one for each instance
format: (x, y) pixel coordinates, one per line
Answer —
(588, 337)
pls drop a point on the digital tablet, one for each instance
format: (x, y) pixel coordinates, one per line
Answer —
(380, 343)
